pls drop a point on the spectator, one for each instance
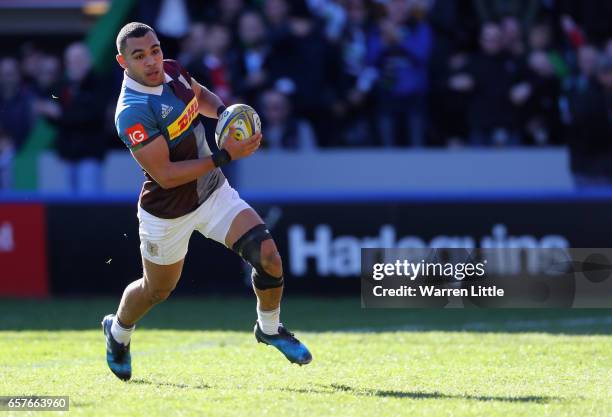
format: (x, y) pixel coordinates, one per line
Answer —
(492, 77)
(451, 90)
(357, 78)
(591, 141)
(31, 57)
(47, 78)
(276, 12)
(453, 24)
(588, 56)
(229, 11)
(79, 115)
(586, 67)
(213, 67)
(252, 72)
(282, 129)
(310, 67)
(16, 114)
(193, 46)
(541, 39)
(580, 80)
(541, 118)
(354, 43)
(399, 48)
(512, 34)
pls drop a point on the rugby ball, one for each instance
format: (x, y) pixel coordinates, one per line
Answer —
(245, 120)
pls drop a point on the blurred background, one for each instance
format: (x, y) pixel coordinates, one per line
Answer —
(387, 123)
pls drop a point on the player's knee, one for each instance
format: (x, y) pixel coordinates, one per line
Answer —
(257, 248)
(156, 295)
(160, 295)
(271, 261)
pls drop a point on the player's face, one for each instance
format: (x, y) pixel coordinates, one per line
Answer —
(143, 60)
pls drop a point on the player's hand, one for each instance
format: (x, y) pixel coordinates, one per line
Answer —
(241, 148)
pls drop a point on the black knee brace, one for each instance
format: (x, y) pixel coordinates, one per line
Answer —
(249, 247)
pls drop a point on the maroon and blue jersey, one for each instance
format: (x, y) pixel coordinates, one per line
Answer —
(169, 110)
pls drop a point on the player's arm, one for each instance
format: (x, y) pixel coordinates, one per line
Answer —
(155, 159)
(210, 105)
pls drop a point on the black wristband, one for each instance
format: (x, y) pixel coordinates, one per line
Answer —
(221, 158)
(220, 110)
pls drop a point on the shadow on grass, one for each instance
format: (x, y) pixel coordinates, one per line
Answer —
(372, 392)
(142, 381)
(419, 395)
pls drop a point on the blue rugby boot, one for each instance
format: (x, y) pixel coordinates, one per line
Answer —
(117, 354)
(291, 347)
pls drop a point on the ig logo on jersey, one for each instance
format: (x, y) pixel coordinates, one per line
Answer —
(137, 134)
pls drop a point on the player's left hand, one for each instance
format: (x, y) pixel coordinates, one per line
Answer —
(242, 148)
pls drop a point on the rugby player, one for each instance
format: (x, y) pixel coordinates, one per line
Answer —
(158, 119)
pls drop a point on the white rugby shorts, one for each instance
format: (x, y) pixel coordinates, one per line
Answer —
(165, 241)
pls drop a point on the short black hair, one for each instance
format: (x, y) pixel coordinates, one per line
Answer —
(131, 30)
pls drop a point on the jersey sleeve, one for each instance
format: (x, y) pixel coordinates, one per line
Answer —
(136, 126)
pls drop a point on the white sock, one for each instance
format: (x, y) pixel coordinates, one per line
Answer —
(268, 320)
(120, 333)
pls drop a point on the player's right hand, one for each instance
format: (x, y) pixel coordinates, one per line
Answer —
(241, 148)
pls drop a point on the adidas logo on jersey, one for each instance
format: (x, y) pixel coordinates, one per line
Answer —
(166, 110)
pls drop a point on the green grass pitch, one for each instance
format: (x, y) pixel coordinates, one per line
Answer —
(198, 357)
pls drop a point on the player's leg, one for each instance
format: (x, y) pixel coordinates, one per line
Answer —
(138, 298)
(249, 237)
(163, 246)
(154, 287)
(268, 298)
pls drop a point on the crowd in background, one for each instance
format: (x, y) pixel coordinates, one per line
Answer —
(351, 73)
